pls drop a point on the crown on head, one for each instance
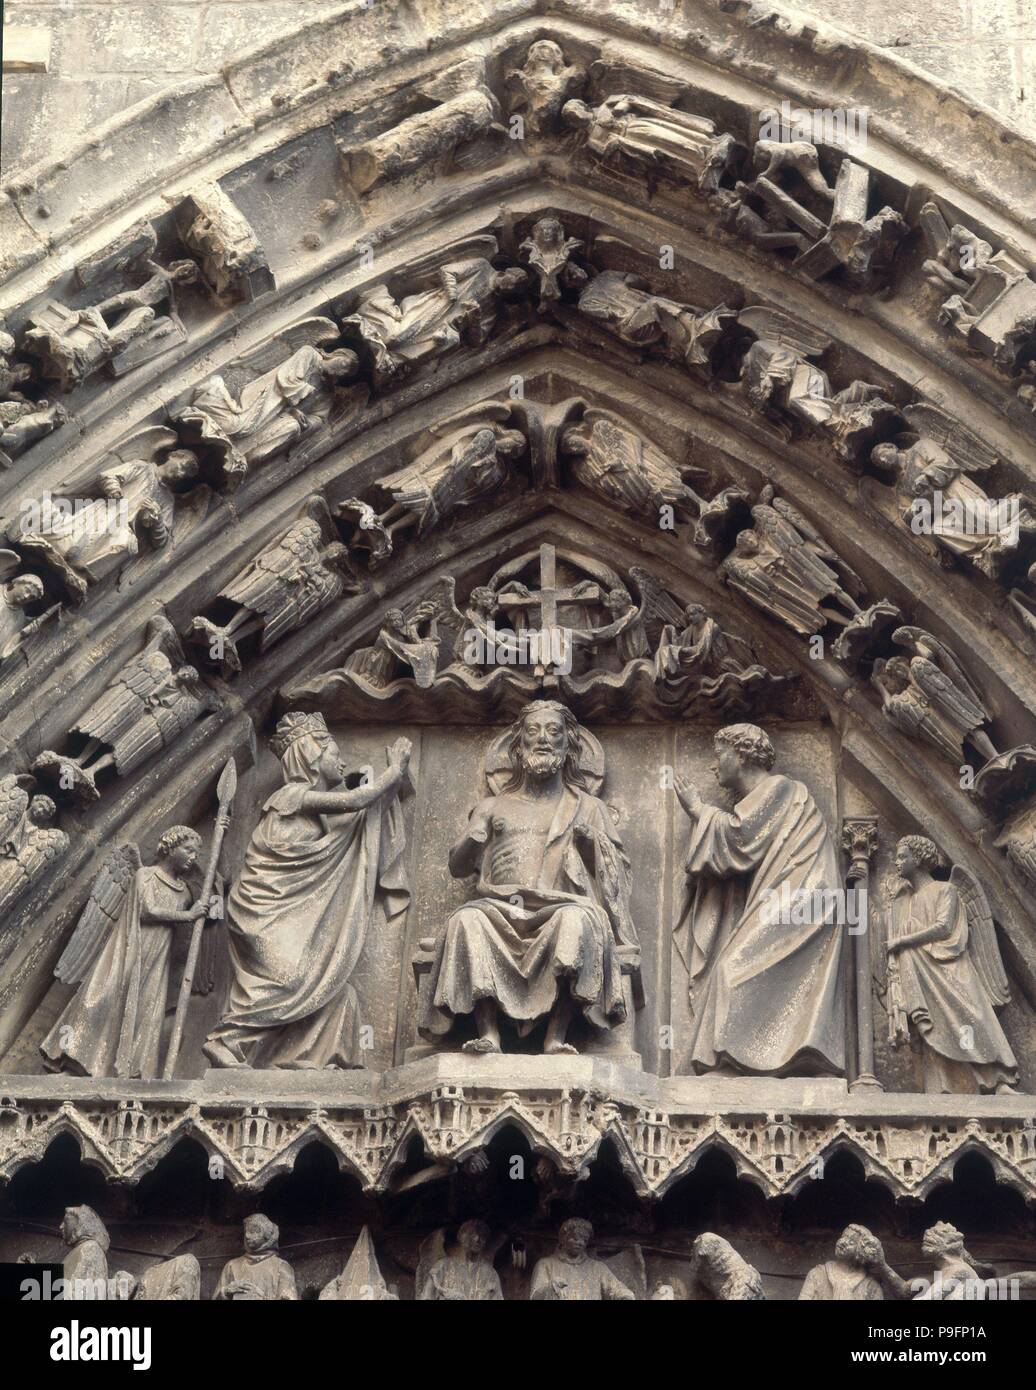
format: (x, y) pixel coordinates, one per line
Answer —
(294, 726)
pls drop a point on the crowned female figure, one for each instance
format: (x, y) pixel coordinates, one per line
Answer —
(323, 863)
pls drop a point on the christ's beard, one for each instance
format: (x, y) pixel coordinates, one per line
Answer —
(542, 766)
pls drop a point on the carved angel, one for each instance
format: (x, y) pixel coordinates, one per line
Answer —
(141, 507)
(945, 975)
(787, 568)
(460, 306)
(927, 695)
(118, 332)
(543, 84)
(150, 703)
(624, 305)
(282, 589)
(407, 643)
(290, 396)
(647, 133)
(777, 373)
(548, 252)
(467, 466)
(17, 592)
(119, 956)
(29, 847)
(937, 496)
(693, 655)
(626, 468)
(23, 422)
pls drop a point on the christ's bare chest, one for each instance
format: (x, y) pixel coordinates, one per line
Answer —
(521, 826)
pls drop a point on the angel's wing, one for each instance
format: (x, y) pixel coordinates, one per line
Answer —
(107, 897)
(850, 578)
(9, 562)
(622, 444)
(916, 639)
(657, 605)
(965, 449)
(475, 417)
(143, 444)
(449, 622)
(13, 803)
(424, 271)
(982, 944)
(316, 331)
(315, 509)
(773, 325)
(943, 691)
(431, 1250)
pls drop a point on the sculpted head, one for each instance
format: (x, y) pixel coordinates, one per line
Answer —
(260, 1234)
(916, 852)
(545, 54)
(83, 1223)
(741, 746)
(181, 466)
(340, 364)
(23, 589)
(180, 846)
(576, 113)
(307, 751)
(544, 741)
(859, 1247)
(42, 810)
(574, 1236)
(885, 456)
(473, 1237)
(942, 1239)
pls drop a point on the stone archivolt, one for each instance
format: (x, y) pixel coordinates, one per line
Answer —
(634, 374)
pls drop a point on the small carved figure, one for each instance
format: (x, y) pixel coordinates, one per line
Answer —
(927, 695)
(215, 230)
(120, 955)
(550, 931)
(361, 1277)
(85, 1267)
(469, 464)
(937, 496)
(171, 1281)
(17, 592)
(572, 1275)
(649, 134)
(86, 540)
(723, 1273)
(743, 959)
(467, 1276)
(259, 1275)
(29, 846)
(120, 332)
(407, 642)
(859, 1272)
(777, 372)
(323, 868)
(543, 84)
(549, 252)
(283, 588)
(945, 976)
(784, 566)
(284, 403)
(152, 701)
(23, 422)
(461, 307)
(701, 652)
(627, 469)
(958, 1276)
(623, 304)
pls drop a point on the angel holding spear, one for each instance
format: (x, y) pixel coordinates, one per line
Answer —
(121, 952)
(946, 977)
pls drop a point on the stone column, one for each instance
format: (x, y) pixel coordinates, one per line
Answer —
(860, 841)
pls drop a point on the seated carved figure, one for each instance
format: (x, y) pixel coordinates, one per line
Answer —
(550, 930)
(572, 1275)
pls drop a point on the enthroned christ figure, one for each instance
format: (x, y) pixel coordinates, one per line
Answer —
(549, 934)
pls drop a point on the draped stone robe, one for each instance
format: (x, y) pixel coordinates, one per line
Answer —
(767, 997)
(514, 941)
(297, 918)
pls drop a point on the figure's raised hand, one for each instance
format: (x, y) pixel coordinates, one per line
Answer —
(688, 795)
(399, 754)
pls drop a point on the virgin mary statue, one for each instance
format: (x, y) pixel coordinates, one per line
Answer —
(324, 864)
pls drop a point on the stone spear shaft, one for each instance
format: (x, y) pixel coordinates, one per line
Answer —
(225, 789)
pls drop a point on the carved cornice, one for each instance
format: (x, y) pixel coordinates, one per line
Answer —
(779, 1135)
